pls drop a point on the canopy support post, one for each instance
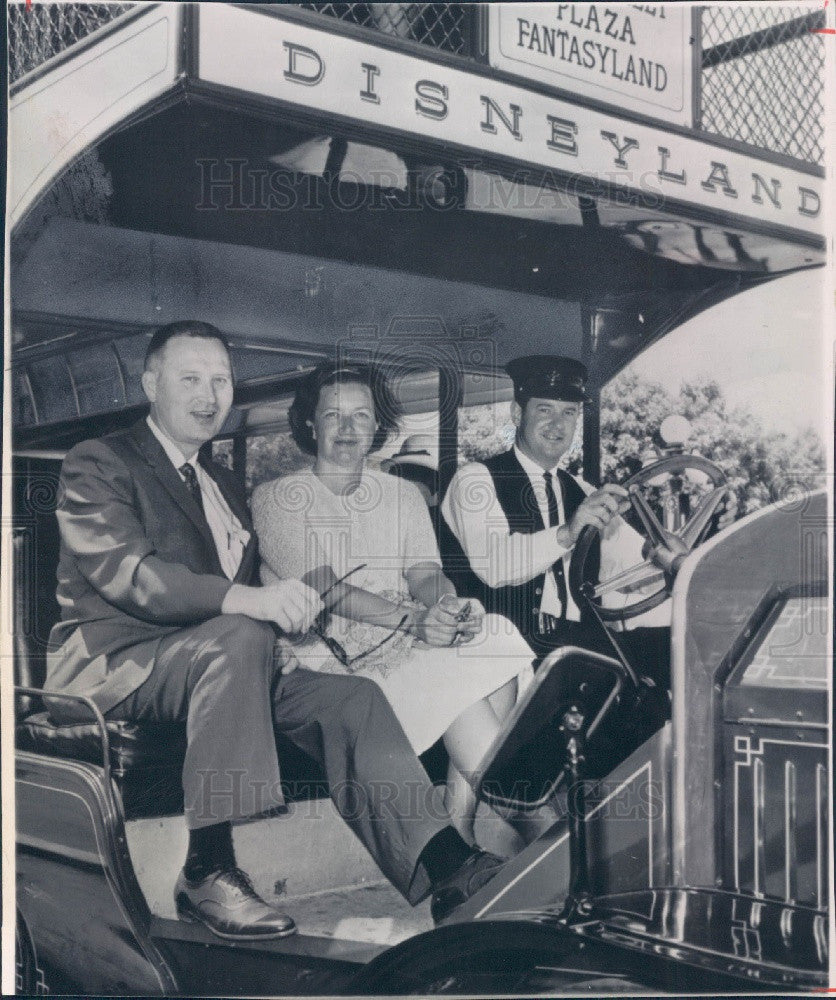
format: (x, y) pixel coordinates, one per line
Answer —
(592, 409)
(450, 397)
(239, 457)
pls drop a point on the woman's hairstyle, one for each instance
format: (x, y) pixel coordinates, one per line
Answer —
(387, 411)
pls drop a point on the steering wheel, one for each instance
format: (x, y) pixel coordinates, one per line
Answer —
(665, 549)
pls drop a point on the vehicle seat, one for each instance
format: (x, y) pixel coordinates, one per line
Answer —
(146, 759)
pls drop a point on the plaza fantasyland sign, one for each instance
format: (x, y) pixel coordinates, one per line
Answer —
(634, 56)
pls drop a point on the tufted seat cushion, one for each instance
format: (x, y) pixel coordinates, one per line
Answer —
(146, 760)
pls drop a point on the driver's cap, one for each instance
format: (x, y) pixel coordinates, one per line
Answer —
(548, 376)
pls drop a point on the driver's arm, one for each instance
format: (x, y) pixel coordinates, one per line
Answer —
(621, 545)
(498, 557)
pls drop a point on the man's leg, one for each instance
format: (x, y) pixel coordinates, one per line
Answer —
(376, 781)
(217, 677)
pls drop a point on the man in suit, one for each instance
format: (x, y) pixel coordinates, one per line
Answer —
(162, 619)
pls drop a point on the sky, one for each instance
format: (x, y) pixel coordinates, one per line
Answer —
(766, 347)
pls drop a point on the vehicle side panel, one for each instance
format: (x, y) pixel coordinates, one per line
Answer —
(716, 593)
(776, 791)
(627, 836)
(76, 888)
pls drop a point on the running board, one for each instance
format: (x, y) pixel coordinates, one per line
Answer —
(300, 965)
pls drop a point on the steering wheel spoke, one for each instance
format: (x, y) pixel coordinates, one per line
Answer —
(629, 580)
(652, 529)
(692, 531)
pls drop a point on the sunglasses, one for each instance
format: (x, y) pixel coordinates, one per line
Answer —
(336, 648)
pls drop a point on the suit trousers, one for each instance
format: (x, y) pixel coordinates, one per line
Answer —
(220, 678)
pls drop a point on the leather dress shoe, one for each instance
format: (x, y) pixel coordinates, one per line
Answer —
(229, 906)
(467, 880)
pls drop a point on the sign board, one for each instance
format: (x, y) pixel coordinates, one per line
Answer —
(396, 94)
(634, 56)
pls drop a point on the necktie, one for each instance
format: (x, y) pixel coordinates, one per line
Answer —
(190, 476)
(557, 569)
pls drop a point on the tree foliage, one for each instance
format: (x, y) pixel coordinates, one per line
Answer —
(273, 455)
(486, 429)
(761, 466)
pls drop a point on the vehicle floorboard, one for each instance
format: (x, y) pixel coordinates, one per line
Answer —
(301, 965)
(343, 923)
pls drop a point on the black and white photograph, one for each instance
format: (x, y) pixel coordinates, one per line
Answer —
(417, 499)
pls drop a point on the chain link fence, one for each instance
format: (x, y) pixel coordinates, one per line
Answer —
(763, 78)
(38, 32)
(440, 25)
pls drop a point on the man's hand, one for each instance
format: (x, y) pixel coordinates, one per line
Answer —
(599, 510)
(290, 604)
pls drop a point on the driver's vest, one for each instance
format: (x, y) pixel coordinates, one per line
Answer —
(520, 603)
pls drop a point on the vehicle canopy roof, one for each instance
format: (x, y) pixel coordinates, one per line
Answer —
(299, 234)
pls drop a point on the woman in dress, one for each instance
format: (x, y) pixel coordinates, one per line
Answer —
(364, 540)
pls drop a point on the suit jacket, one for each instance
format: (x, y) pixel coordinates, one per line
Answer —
(138, 561)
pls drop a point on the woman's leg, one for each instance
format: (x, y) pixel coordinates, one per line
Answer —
(503, 699)
(472, 732)
(460, 803)
(467, 740)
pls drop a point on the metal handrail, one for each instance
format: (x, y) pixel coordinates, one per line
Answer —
(766, 38)
(20, 691)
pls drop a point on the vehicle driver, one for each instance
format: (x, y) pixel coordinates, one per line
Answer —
(162, 620)
(516, 517)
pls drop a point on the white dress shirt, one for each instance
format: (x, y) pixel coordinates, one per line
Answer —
(550, 602)
(230, 535)
(499, 558)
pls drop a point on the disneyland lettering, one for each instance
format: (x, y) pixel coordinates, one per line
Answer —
(560, 134)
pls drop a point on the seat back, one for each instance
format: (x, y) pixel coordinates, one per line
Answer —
(35, 545)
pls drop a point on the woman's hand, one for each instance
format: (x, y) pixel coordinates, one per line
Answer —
(284, 656)
(450, 621)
